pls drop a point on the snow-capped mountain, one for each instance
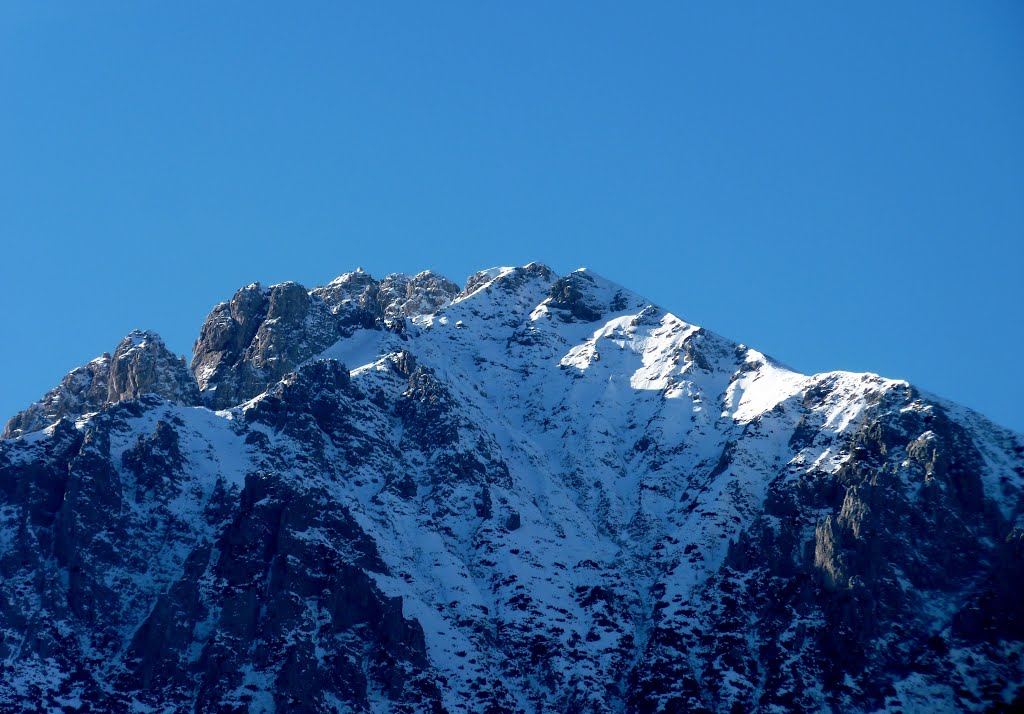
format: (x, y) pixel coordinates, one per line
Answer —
(533, 494)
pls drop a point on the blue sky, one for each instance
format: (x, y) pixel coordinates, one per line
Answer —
(840, 186)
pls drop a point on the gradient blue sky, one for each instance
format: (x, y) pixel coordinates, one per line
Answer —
(838, 185)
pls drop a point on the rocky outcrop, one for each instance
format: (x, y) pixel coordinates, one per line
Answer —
(509, 279)
(141, 365)
(422, 294)
(581, 297)
(82, 391)
(572, 297)
(249, 343)
(260, 335)
(354, 298)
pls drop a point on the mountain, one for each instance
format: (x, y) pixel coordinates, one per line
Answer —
(531, 494)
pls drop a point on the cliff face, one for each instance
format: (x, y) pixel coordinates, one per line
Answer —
(249, 343)
(535, 494)
(141, 364)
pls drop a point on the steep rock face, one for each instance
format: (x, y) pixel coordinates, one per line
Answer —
(846, 591)
(578, 297)
(240, 588)
(538, 494)
(82, 391)
(141, 365)
(422, 294)
(256, 338)
(261, 334)
(354, 298)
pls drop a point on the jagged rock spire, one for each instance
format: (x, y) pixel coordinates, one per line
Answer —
(141, 364)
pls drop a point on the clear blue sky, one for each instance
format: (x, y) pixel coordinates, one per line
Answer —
(838, 185)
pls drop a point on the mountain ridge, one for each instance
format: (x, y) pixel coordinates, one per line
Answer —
(540, 493)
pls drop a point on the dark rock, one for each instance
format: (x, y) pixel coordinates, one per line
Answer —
(511, 280)
(82, 391)
(261, 335)
(248, 344)
(422, 294)
(142, 365)
(572, 298)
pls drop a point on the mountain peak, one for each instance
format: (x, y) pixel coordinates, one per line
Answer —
(540, 493)
(141, 364)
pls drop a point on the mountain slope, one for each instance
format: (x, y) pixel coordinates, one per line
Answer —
(538, 493)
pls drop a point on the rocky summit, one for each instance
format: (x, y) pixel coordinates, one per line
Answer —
(536, 493)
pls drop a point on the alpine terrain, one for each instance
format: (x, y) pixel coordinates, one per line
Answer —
(530, 494)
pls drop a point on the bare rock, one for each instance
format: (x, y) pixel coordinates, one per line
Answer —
(251, 342)
(141, 365)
